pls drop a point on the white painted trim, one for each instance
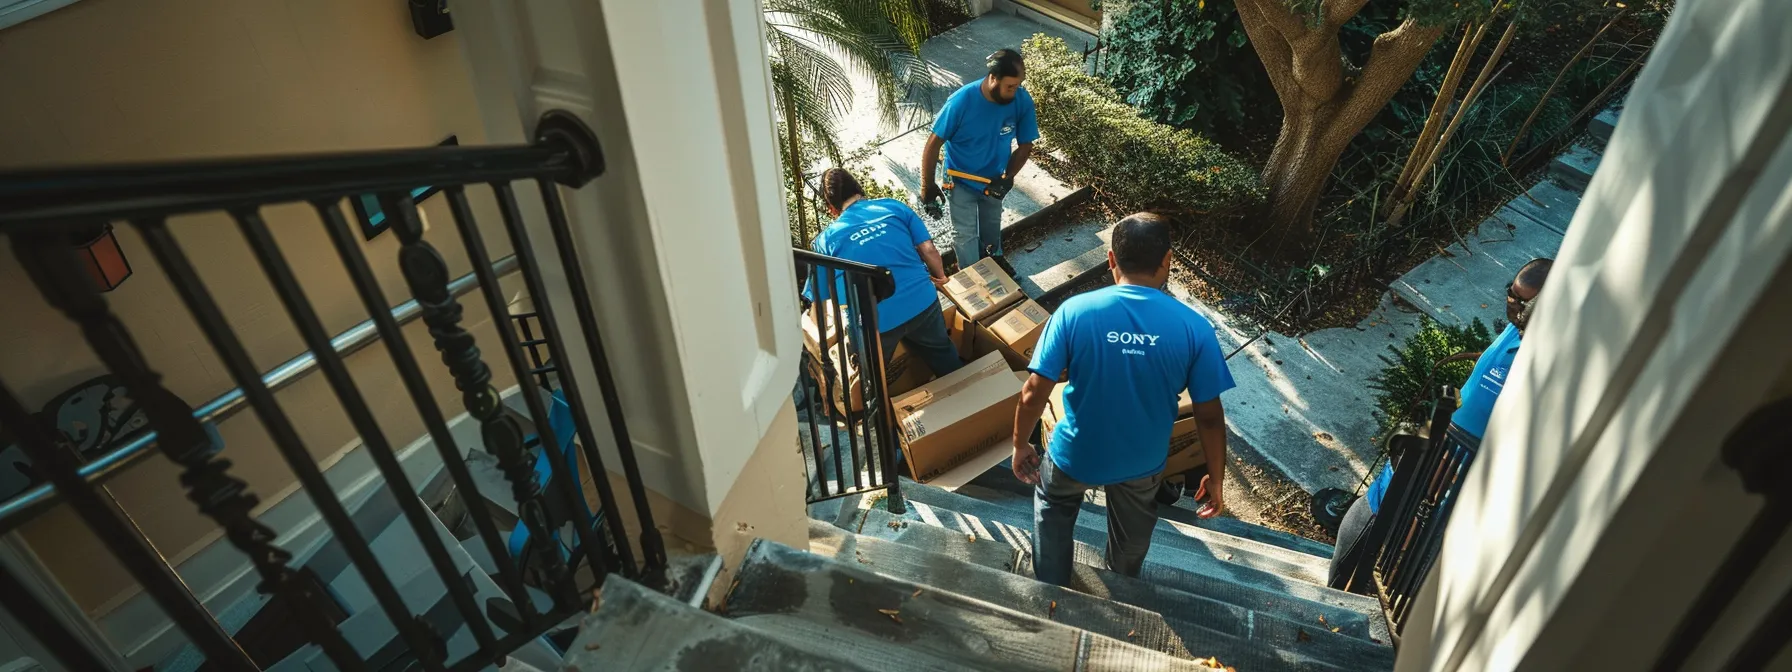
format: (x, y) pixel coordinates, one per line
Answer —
(15, 12)
(222, 577)
(18, 558)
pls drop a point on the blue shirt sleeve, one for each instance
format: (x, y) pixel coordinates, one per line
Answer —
(1207, 372)
(1052, 355)
(1028, 121)
(917, 229)
(946, 122)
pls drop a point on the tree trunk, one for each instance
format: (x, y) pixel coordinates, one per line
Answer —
(1325, 100)
(794, 168)
(1300, 167)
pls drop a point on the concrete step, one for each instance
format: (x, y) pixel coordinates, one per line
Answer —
(1575, 167)
(1170, 536)
(1062, 254)
(1000, 485)
(1549, 204)
(1603, 124)
(1181, 624)
(639, 630)
(1004, 547)
(824, 605)
(372, 634)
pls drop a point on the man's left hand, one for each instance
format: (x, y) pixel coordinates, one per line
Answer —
(1212, 490)
(940, 280)
(998, 188)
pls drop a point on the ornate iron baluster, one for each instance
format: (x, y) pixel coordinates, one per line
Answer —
(53, 267)
(426, 273)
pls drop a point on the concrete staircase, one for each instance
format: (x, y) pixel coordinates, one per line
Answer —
(948, 586)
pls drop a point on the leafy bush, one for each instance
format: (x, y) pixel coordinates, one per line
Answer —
(1186, 63)
(1404, 380)
(1136, 162)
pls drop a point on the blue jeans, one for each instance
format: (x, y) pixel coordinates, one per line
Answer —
(1132, 516)
(976, 222)
(926, 336)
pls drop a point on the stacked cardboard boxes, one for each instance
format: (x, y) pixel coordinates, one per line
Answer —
(988, 313)
(960, 422)
(905, 372)
(982, 290)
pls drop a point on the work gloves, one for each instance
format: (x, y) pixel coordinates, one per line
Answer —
(930, 200)
(999, 187)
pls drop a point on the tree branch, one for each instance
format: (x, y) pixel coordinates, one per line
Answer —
(1338, 12)
(1391, 62)
(1275, 15)
(1272, 47)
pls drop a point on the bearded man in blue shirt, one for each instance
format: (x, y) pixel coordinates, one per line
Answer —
(1130, 351)
(979, 126)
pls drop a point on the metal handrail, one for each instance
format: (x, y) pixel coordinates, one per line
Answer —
(18, 510)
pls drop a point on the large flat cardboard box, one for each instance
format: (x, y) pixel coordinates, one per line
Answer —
(954, 419)
(904, 373)
(1015, 332)
(982, 290)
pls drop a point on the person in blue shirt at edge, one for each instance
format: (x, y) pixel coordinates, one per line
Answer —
(1130, 351)
(979, 125)
(886, 232)
(1469, 423)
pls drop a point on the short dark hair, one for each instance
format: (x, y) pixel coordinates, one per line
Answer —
(1005, 63)
(1534, 273)
(839, 186)
(1140, 242)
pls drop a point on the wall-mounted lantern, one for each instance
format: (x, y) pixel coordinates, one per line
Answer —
(100, 255)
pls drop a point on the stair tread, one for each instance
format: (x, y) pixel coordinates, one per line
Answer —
(1158, 588)
(1168, 536)
(1575, 167)
(825, 604)
(638, 630)
(1179, 624)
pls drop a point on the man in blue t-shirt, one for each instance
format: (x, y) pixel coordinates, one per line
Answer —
(1130, 351)
(978, 126)
(886, 232)
(1469, 423)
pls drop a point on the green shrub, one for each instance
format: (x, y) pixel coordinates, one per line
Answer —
(1186, 63)
(1402, 382)
(1137, 163)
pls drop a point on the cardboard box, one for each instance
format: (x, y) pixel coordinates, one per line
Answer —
(954, 419)
(1185, 440)
(982, 290)
(904, 373)
(812, 337)
(1185, 450)
(1016, 331)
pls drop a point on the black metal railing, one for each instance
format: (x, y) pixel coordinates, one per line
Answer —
(38, 210)
(1391, 559)
(843, 382)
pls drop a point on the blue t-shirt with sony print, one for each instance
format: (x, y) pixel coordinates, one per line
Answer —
(1131, 351)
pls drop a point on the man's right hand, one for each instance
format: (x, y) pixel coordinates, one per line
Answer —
(1026, 463)
(930, 193)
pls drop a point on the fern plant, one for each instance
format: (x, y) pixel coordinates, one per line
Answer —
(1411, 376)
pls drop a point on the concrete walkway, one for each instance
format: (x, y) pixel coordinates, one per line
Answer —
(1302, 405)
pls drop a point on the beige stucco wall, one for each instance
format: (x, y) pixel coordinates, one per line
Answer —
(127, 80)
